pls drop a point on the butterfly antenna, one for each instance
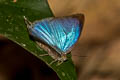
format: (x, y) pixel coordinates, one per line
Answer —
(80, 56)
(28, 23)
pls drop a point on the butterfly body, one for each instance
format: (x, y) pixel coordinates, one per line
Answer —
(58, 35)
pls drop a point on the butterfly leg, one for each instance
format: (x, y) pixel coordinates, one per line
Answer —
(53, 61)
(59, 63)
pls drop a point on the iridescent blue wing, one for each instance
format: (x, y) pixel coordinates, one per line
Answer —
(41, 31)
(59, 33)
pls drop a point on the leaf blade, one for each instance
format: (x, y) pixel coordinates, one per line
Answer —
(13, 27)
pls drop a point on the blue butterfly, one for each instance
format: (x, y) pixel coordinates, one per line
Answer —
(56, 35)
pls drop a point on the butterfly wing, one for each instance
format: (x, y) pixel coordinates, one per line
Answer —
(41, 31)
(66, 32)
(59, 33)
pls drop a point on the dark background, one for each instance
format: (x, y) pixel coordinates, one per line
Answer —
(18, 64)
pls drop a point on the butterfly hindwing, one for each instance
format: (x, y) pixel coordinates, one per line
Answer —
(66, 32)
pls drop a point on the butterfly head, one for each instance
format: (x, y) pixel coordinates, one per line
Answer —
(63, 57)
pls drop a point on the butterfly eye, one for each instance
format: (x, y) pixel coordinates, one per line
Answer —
(64, 57)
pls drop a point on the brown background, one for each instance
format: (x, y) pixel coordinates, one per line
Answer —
(99, 42)
(100, 39)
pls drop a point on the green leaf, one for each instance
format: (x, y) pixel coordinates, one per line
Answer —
(13, 27)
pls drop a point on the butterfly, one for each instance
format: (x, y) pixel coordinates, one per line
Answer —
(56, 35)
